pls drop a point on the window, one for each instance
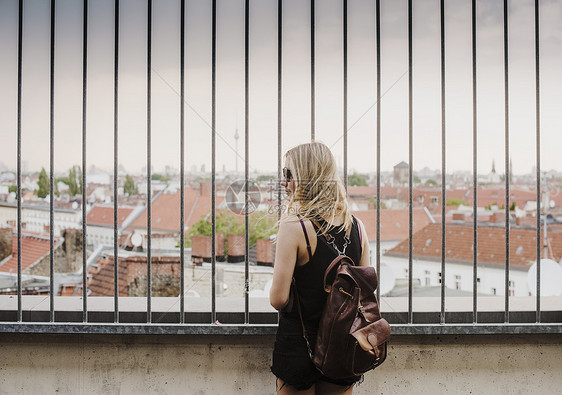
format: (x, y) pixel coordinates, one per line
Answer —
(457, 282)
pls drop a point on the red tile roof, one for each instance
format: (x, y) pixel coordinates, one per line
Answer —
(491, 244)
(34, 247)
(101, 274)
(102, 282)
(387, 192)
(103, 215)
(394, 223)
(166, 210)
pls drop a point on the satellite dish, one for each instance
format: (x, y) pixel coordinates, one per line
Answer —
(257, 293)
(551, 277)
(267, 286)
(387, 279)
(192, 294)
(136, 239)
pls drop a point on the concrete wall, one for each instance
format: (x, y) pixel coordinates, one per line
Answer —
(110, 364)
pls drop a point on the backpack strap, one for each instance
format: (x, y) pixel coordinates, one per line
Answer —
(304, 334)
(306, 237)
(335, 263)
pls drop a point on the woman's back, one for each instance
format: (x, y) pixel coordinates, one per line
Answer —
(310, 276)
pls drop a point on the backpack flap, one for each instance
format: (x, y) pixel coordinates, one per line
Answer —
(365, 277)
(373, 335)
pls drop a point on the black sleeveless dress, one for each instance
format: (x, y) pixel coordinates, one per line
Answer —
(291, 361)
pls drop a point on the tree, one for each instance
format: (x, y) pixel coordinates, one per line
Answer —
(265, 177)
(455, 202)
(373, 200)
(130, 188)
(430, 182)
(357, 180)
(260, 226)
(74, 183)
(159, 177)
(43, 184)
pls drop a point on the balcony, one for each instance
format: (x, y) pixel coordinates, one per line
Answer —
(134, 259)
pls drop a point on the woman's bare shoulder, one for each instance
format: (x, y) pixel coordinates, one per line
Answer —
(288, 224)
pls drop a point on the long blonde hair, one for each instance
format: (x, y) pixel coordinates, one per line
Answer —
(319, 191)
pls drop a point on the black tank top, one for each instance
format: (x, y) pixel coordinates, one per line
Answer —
(309, 278)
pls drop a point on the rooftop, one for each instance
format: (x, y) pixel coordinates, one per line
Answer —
(491, 245)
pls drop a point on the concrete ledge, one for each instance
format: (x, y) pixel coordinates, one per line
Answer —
(213, 364)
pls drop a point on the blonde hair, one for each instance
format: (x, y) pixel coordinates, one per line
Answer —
(319, 191)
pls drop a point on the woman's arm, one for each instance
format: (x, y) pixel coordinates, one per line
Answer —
(285, 260)
(365, 254)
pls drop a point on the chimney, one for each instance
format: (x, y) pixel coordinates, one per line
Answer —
(236, 248)
(458, 217)
(72, 247)
(5, 243)
(265, 252)
(497, 218)
(205, 188)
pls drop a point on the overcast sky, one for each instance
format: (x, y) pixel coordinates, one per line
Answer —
(296, 83)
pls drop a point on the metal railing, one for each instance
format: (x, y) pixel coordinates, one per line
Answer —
(406, 327)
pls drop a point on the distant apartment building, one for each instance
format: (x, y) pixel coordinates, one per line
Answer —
(459, 257)
(100, 222)
(36, 217)
(401, 172)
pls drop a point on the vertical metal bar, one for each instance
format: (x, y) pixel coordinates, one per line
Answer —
(378, 50)
(345, 93)
(149, 163)
(20, 58)
(279, 99)
(507, 173)
(312, 73)
(84, 124)
(52, 166)
(410, 159)
(443, 161)
(474, 171)
(247, 160)
(115, 161)
(182, 159)
(213, 160)
(538, 156)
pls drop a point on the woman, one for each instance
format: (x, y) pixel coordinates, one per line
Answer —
(309, 233)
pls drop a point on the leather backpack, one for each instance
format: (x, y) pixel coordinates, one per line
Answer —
(352, 336)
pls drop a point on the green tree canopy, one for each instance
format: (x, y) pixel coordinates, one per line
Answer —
(43, 184)
(130, 188)
(261, 226)
(455, 202)
(74, 181)
(159, 177)
(356, 179)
